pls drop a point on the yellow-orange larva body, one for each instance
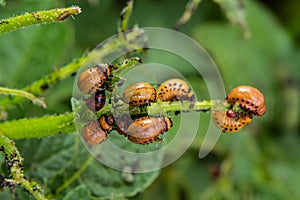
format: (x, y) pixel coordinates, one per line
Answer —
(249, 98)
(91, 79)
(140, 93)
(106, 122)
(175, 90)
(93, 134)
(145, 130)
(229, 124)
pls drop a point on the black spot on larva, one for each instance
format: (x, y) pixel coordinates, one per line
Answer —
(45, 86)
(252, 104)
(225, 129)
(230, 129)
(235, 129)
(247, 102)
(237, 99)
(256, 107)
(174, 83)
(243, 100)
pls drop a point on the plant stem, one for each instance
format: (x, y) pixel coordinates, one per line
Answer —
(63, 124)
(24, 94)
(236, 14)
(38, 127)
(48, 81)
(162, 108)
(189, 11)
(39, 17)
(133, 41)
(124, 16)
(14, 162)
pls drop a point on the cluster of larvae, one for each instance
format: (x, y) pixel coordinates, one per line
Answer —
(248, 98)
(142, 130)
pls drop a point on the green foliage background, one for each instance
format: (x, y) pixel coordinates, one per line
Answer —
(260, 162)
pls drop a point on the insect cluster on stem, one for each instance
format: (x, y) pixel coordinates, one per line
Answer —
(143, 129)
(248, 98)
(140, 130)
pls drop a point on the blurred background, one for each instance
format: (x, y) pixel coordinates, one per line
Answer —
(259, 162)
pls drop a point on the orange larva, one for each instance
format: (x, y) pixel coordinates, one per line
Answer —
(140, 93)
(229, 124)
(249, 98)
(93, 134)
(175, 90)
(97, 101)
(91, 79)
(145, 130)
(106, 122)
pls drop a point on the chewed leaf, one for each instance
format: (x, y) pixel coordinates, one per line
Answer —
(35, 100)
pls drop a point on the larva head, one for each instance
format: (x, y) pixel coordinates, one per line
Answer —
(93, 134)
(140, 93)
(230, 113)
(175, 90)
(228, 124)
(91, 79)
(249, 98)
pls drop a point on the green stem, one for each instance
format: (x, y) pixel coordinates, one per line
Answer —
(14, 162)
(189, 11)
(39, 17)
(124, 16)
(236, 14)
(63, 124)
(48, 81)
(38, 127)
(161, 108)
(24, 94)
